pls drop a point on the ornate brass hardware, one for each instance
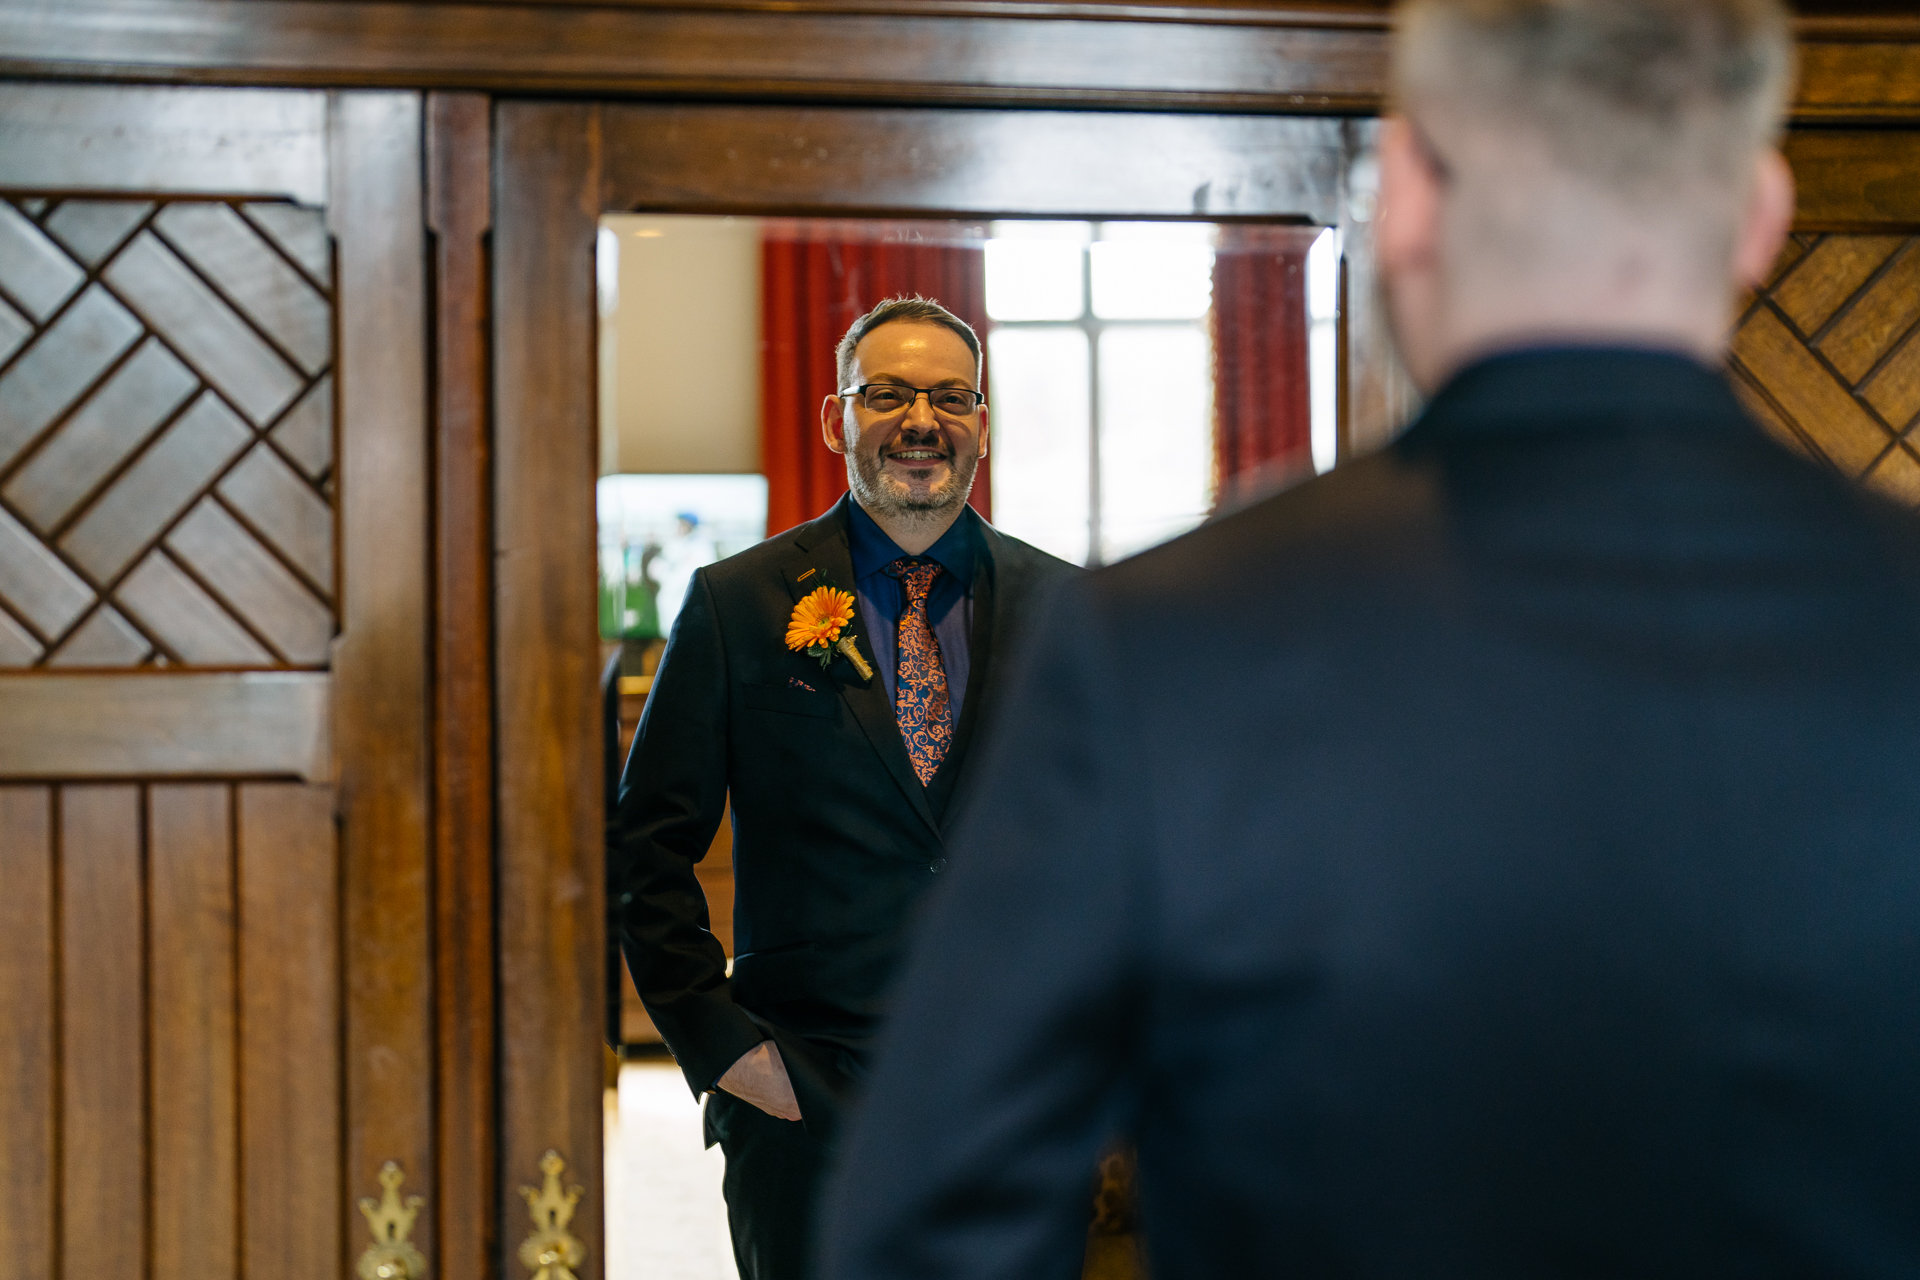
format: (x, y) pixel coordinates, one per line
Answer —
(551, 1252)
(391, 1256)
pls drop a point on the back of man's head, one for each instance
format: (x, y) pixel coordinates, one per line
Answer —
(1565, 130)
(1635, 96)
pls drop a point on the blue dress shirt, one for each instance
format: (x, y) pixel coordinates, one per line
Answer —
(883, 598)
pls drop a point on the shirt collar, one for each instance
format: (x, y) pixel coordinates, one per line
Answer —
(872, 550)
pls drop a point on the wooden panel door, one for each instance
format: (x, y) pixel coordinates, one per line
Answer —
(214, 969)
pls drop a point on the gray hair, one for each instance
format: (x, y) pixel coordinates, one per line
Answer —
(1629, 95)
(916, 309)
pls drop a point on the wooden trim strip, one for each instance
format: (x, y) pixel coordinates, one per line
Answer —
(252, 724)
(551, 898)
(1226, 57)
(382, 658)
(459, 186)
(790, 55)
(235, 142)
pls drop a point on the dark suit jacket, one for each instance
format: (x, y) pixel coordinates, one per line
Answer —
(834, 837)
(1499, 858)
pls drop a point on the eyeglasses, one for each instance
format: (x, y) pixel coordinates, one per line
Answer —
(891, 397)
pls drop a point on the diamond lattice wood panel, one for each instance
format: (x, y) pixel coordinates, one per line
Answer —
(166, 434)
(1828, 355)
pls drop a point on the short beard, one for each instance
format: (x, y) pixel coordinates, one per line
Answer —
(880, 496)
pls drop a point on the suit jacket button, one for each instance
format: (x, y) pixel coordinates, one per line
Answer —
(937, 866)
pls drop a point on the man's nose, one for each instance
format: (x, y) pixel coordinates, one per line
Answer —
(920, 413)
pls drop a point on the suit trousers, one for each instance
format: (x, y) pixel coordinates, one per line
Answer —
(775, 1169)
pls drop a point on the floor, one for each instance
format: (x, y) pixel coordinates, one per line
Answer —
(665, 1218)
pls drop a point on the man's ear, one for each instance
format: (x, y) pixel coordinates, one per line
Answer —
(1766, 221)
(1406, 226)
(833, 423)
(984, 431)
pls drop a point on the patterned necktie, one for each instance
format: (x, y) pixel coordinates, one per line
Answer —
(920, 685)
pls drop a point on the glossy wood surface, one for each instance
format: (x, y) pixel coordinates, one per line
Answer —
(291, 1095)
(29, 1060)
(849, 56)
(1212, 57)
(551, 821)
(193, 983)
(1858, 179)
(459, 195)
(250, 724)
(78, 137)
(381, 661)
(105, 1226)
(851, 160)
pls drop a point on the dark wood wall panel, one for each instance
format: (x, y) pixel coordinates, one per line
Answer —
(291, 1096)
(104, 1156)
(383, 695)
(1331, 64)
(1828, 355)
(27, 1063)
(75, 138)
(1855, 180)
(551, 842)
(460, 192)
(192, 954)
(1055, 163)
(1215, 57)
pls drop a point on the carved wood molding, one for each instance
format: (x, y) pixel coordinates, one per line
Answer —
(1300, 59)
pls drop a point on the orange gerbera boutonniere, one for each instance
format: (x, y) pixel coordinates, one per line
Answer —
(819, 625)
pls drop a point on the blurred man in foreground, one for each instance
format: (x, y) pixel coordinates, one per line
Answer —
(1497, 858)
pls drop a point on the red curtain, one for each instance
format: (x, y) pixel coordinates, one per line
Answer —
(817, 277)
(1263, 428)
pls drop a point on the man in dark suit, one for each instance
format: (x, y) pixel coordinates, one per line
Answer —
(1499, 858)
(830, 682)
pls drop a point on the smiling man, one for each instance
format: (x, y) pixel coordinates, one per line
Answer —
(829, 682)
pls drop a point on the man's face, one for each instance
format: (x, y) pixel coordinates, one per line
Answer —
(915, 462)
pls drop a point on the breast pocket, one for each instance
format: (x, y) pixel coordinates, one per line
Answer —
(824, 705)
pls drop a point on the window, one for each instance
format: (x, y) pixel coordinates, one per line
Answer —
(1102, 384)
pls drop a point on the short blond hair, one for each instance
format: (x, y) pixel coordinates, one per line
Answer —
(1630, 95)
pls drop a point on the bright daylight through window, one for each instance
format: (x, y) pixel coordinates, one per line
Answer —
(1101, 380)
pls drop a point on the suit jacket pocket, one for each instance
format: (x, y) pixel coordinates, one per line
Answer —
(772, 977)
(824, 704)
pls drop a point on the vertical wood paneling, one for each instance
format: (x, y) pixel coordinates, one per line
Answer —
(290, 1085)
(459, 190)
(381, 661)
(551, 895)
(191, 959)
(27, 1161)
(103, 1034)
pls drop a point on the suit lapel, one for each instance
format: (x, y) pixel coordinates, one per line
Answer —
(821, 555)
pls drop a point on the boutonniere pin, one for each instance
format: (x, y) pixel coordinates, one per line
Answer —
(819, 625)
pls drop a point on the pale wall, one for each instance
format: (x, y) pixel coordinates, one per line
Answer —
(680, 348)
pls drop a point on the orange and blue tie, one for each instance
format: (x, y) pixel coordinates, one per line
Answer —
(920, 700)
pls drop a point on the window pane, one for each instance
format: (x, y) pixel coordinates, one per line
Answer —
(1035, 270)
(1038, 384)
(1156, 435)
(1323, 353)
(1153, 270)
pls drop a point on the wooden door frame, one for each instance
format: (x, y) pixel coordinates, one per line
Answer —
(558, 167)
